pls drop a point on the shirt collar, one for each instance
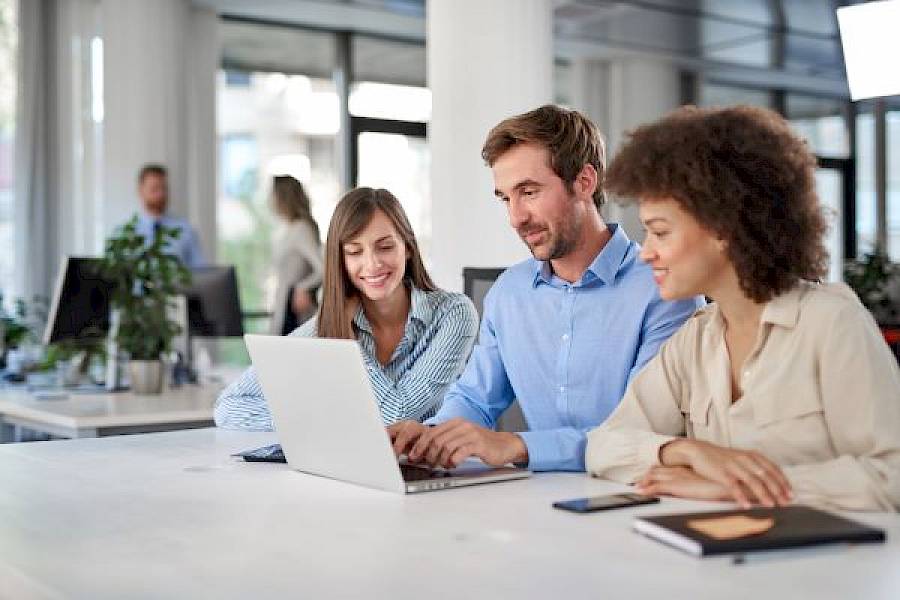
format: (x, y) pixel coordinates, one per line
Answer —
(149, 220)
(604, 267)
(784, 309)
(420, 309)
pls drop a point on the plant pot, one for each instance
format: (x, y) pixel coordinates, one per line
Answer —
(146, 376)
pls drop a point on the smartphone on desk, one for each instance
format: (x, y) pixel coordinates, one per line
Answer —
(595, 503)
(272, 453)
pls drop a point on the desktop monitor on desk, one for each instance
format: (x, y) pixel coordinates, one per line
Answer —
(213, 304)
(81, 301)
(211, 309)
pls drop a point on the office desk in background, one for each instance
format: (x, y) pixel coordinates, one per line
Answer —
(81, 415)
(171, 515)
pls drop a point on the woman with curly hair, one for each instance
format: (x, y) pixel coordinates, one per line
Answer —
(782, 389)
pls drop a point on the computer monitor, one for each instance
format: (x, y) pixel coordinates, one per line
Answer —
(476, 283)
(213, 305)
(81, 302)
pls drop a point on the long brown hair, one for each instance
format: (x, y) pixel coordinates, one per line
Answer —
(291, 201)
(351, 216)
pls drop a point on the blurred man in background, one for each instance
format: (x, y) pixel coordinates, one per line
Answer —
(153, 189)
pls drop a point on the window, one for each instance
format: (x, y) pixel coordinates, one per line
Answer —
(279, 112)
(8, 46)
(270, 123)
(822, 122)
(865, 183)
(388, 99)
(893, 184)
(715, 94)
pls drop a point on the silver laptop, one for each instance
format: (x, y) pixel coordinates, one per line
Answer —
(328, 421)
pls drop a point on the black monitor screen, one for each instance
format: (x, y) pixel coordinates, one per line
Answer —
(214, 308)
(81, 301)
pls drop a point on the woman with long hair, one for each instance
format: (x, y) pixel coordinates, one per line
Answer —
(415, 338)
(296, 256)
(782, 389)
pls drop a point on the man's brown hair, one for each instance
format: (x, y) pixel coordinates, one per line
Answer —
(151, 169)
(745, 176)
(571, 138)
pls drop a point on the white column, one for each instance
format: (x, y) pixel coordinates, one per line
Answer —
(160, 59)
(202, 142)
(486, 61)
(640, 91)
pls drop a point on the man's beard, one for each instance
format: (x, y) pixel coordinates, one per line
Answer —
(560, 244)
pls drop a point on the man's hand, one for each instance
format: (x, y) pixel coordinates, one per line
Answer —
(681, 482)
(451, 443)
(740, 471)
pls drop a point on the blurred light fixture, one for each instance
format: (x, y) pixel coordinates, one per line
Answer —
(871, 41)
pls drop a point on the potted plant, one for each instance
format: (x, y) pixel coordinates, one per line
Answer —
(146, 280)
(20, 334)
(875, 279)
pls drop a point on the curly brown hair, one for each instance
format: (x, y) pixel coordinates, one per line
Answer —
(745, 176)
(571, 138)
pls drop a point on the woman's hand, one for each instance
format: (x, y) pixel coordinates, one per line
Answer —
(301, 301)
(740, 471)
(681, 482)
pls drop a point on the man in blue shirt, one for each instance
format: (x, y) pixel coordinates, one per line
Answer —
(563, 332)
(153, 189)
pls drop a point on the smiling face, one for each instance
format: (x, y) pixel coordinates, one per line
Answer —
(687, 259)
(542, 210)
(375, 259)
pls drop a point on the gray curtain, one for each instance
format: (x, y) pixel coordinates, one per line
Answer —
(35, 156)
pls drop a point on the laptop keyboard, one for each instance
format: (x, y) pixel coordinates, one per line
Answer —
(417, 473)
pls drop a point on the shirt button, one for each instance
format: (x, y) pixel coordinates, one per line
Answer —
(570, 289)
(562, 389)
(565, 337)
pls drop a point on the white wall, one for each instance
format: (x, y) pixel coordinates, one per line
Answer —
(486, 61)
(618, 96)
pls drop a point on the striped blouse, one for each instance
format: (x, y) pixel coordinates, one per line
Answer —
(436, 343)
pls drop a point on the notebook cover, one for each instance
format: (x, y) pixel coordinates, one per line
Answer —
(795, 527)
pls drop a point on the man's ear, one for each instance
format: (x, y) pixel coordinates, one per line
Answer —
(586, 181)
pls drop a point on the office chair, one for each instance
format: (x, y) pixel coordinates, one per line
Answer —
(476, 283)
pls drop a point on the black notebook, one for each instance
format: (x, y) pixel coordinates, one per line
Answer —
(711, 533)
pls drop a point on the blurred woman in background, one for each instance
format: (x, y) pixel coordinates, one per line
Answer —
(296, 257)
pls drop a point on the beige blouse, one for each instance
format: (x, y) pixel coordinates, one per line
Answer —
(821, 397)
(298, 262)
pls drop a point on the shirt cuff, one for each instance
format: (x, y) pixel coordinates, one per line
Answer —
(648, 453)
(555, 450)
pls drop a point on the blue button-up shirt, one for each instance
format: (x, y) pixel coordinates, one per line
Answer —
(565, 351)
(186, 246)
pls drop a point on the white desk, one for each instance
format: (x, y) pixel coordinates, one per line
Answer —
(170, 515)
(95, 415)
